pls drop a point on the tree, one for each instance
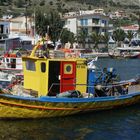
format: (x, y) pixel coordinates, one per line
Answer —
(96, 38)
(119, 36)
(49, 22)
(136, 17)
(105, 39)
(130, 35)
(19, 3)
(42, 3)
(82, 35)
(1, 13)
(67, 36)
(41, 22)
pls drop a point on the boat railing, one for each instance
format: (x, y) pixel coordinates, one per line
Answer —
(89, 85)
(124, 85)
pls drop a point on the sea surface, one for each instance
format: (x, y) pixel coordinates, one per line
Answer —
(120, 124)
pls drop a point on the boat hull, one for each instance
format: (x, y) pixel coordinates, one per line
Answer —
(125, 56)
(16, 107)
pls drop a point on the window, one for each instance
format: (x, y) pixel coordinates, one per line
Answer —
(95, 20)
(13, 63)
(84, 22)
(30, 65)
(103, 30)
(104, 22)
(68, 69)
(1, 29)
(43, 67)
(7, 60)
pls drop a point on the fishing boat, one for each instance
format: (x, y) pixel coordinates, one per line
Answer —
(55, 87)
(74, 52)
(12, 60)
(125, 52)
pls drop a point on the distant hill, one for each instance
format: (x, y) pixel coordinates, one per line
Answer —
(17, 7)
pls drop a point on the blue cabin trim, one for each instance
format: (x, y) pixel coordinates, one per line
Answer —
(72, 100)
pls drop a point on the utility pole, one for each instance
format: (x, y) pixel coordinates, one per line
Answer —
(26, 6)
(26, 19)
(34, 26)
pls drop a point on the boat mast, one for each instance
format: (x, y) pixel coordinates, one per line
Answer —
(34, 27)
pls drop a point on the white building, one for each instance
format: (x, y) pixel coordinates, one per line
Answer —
(18, 26)
(93, 21)
(4, 28)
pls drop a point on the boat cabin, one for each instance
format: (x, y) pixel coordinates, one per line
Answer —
(12, 60)
(11, 63)
(50, 76)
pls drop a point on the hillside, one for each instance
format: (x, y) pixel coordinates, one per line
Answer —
(17, 7)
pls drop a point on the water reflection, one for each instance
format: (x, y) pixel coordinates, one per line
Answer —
(113, 124)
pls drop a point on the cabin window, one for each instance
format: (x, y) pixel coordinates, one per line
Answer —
(68, 69)
(30, 65)
(43, 67)
(7, 60)
(13, 63)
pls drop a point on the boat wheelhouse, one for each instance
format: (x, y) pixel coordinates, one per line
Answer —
(53, 76)
(12, 60)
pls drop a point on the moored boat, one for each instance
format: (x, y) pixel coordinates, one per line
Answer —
(12, 60)
(58, 87)
(125, 52)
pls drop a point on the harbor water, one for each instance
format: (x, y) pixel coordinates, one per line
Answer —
(120, 124)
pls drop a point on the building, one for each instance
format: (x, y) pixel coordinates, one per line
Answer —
(92, 21)
(22, 25)
(120, 14)
(134, 28)
(9, 43)
(15, 28)
(4, 28)
(98, 23)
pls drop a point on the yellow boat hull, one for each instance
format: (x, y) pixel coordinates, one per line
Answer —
(14, 107)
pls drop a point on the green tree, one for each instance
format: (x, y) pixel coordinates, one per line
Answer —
(40, 22)
(82, 35)
(49, 22)
(1, 13)
(42, 3)
(119, 36)
(138, 19)
(96, 38)
(105, 39)
(20, 3)
(130, 35)
(67, 36)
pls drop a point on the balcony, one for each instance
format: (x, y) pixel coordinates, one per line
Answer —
(92, 25)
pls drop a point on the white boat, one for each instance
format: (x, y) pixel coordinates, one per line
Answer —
(12, 61)
(125, 52)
